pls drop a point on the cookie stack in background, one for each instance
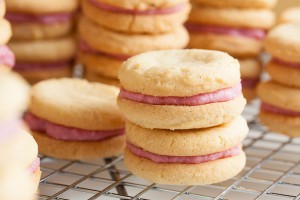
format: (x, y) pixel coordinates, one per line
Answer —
(43, 39)
(280, 109)
(183, 109)
(18, 150)
(111, 32)
(236, 27)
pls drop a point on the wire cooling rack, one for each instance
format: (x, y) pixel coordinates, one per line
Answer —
(272, 172)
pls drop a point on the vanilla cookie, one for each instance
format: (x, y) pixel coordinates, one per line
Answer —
(181, 83)
(2, 9)
(94, 77)
(5, 31)
(280, 109)
(82, 117)
(290, 15)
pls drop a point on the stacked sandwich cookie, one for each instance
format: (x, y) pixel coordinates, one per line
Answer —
(74, 119)
(183, 110)
(236, 27)
(280, 109)
(42, 37)
(111, 32)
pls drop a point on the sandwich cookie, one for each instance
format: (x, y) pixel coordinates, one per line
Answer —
(239, 33)
(283, 43)
(132, 16)
(259, 4)
(290, 15)
(280, 109)
(44, 59)
(103, 50)
(186, 157)
(180, 89)
(34, 19)
(251, 69)
(74, 119)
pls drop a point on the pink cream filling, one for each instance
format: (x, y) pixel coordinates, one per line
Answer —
(34, 167)
(223, 95)
(42, 19)
(61, 132)
(42, 66)
(154, 11)
(249, 83)
(84, 47)
(182, 159)
(285, 63)
(258, 34)
(274, 109)
(7, 57)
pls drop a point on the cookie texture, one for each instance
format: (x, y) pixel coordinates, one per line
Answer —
(179, 73)
(193, 142)
(51, 50)
(79, 150)
(15, 92)
(105, 40)
(290, 15)
(5, 31)
(181, 117)
(279, 95)
(154, 24)
(42, 7)
(77, 103)
(233, 17)
(261, 4)
(235, 46)
(283, 42)
(185, 174)
(285, 75)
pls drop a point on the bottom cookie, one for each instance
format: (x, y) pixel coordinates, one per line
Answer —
(249, 94)
(185, 174)
(36, 177)
(79, 150)
(288, 125)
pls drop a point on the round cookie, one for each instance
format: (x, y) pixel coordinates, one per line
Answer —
(100, 64)
(290, 15)
(51, 50)
(283, 42)
(76, 108)
(153, 19)
(15, 92)
(183, 76)
(194, 142)
(185, 174)
(5, 31)
(261, 4)
(42, 7)
(281, 109)
(105, 40)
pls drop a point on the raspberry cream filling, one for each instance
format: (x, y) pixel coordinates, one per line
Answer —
(249, 83)
(35, 165)
(258, 34)
(277, 110)
(183, 159)
(85, 48)
(65, 133)
(22, 66)
(41, 19)
(285, 63)
(152, 11)
(7, 57)
(223, 95)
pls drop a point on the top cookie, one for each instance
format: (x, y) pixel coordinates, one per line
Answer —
(283, 42)
(290, 15)
(77, 103)
(14, 95)
(238, 3)
(42, 7)
(143, 4)
(179, 72)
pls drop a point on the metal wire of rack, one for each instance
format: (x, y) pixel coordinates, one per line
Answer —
(272, 172)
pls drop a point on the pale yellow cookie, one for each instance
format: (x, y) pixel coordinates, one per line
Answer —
(290, 15)
(5, 31)
(2, 9)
